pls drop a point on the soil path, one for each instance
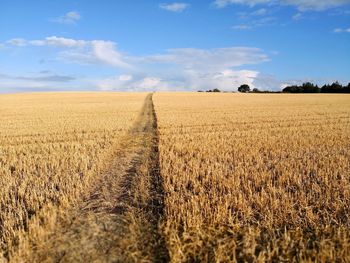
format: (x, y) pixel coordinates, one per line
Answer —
(119, 219)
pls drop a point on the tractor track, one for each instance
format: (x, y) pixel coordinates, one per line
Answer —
(119, 218)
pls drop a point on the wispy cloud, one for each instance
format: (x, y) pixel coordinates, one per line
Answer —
(224, 3)
(71, 17)
(20, 42)
(254, 23)
(241, 27)
(191, 69)
(46, 76)
(181, 68)
(342, 30)
(260, 12)
(297, 16)
(302, 5)
(40, 81)
(131, 83)
(209, 59)
(86, 52)
(48, 41)
(255, 18)
(106, 51)
(174, 7)
(58, 42)
(315, 5)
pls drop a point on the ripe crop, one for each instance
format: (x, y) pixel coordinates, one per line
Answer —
(255, 177)
(52, 146)
(180, 177)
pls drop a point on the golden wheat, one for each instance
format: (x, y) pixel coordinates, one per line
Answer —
(246, 177)
(255, 177)
(51, 146)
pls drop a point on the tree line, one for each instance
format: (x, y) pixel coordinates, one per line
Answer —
(306, 87)
(309, 87)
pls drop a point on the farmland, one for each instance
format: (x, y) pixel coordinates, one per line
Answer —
(180, 177)
(52, 148)
(255, 177)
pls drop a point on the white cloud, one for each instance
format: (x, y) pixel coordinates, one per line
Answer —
(106, 52)
(59, 42)
(258, 18)
(317, 5)
(223, 3)
(226, 80)
(174, 7)
(194, 69)
(81, 51)
(297, 16)
(210, 59)
(180, 69)
(241, 27)
(150, 83)
(260, 12)
(69, 18)
(342, 30)
(130, 83)
(48, 41)
(38, 81)
(265, 21)
(113, 83)
(125, 77)
(302, 5)
(20, 42)
(46, 76)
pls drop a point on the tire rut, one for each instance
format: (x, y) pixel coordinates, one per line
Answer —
(119, 219)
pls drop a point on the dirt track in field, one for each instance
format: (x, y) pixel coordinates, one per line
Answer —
(119, 219)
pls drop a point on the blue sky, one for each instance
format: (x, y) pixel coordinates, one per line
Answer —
(131, 45)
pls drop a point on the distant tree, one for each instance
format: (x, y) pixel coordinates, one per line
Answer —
(325, 88)
(292, 89)
(306, 87)
(309, 87)
(336, 87)
(256, 90)
(214, 90)
(347, 88)
(244, 88)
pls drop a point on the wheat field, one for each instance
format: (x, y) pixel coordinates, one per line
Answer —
(52, 147)
(220, 177)
(255, 177)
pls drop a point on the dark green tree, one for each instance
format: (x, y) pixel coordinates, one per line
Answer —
(293, 89)
(309, 87)
(347, 88)
(336, 87)
(244, 88)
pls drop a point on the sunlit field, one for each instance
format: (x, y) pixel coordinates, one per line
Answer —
(174, 177)
(52, 147)
(255, 177)
(191, 131)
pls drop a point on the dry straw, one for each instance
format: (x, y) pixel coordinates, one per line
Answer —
(255, 177)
